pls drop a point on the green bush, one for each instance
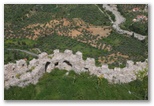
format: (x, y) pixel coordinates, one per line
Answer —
(141, 74)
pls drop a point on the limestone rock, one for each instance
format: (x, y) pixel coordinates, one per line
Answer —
(21, 63)
(50, 68)
(79, 55)
(56, 51)
(42, 55)
(18, 74)
(68, 52)
(130, 63)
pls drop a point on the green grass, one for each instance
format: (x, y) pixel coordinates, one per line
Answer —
(21, 43)
(57, 86)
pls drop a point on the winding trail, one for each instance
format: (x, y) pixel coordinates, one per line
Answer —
(120, 19)
(25, 51)
(104, 13)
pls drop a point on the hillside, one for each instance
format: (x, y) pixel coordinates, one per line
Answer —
(58, 86)
(111, 34)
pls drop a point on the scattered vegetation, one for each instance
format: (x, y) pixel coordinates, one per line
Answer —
(58, 85)
(141, 26)
(32, 68)
(107, 12)
(131, 47)
(50, 57)
(63, 42)
(141, 74)
(110, 14)
(18, 76)
(28, 14)
(12, 55)
(89, 13)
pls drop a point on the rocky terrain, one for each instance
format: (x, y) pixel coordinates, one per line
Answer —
(22, 74)
(75, 51)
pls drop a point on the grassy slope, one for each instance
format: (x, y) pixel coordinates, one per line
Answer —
(16, 14)
(24, 44)
(48, 44)
(132, 47)
(62, 43)
(57, 86)
(135, 49)
(89, 13)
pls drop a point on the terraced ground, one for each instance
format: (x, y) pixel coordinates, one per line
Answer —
(78, 28)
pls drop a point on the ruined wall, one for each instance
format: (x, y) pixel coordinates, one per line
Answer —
(20, 74)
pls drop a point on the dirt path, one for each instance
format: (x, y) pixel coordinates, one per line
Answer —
(104, 13)
(25, 51)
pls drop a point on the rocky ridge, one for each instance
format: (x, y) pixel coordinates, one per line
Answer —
(22, 74)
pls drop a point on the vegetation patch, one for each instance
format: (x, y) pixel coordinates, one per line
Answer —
(141, 74)
(32, 68)
(136, 18)
(57, 86)
(18, 76)
(78, 27)
(122, 46)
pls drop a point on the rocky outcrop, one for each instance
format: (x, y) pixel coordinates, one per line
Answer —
(20, 74)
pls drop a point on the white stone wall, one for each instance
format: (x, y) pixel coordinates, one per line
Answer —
(20, 74)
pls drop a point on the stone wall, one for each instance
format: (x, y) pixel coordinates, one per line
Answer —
(20, 74)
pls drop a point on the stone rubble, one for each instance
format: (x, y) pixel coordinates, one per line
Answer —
(20, 74)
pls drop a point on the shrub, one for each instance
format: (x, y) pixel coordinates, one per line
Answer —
(141, 74)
